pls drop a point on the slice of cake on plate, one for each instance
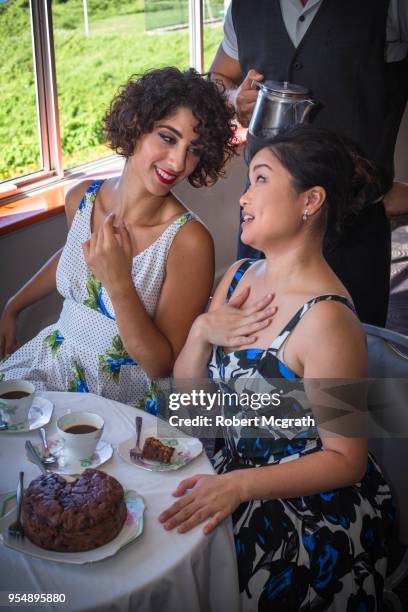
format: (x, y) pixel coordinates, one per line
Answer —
(156, 450)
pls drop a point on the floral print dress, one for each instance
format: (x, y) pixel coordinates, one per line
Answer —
(326, 551)
(83, 351)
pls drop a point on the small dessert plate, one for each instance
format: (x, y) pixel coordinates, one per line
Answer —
(67, 464)
(39, 415)
(131, 530)
(185, 450)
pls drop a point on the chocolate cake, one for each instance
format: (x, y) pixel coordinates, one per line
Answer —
(73, 517)
(156, 450)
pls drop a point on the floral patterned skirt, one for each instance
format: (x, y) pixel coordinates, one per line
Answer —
(319, 552)
(81, 352)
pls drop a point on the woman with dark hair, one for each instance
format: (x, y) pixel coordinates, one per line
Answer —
(137, 267)
(312, 515)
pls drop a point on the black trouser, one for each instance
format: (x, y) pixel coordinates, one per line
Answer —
(362, 261)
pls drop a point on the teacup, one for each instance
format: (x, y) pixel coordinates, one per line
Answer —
(80, 432)
(16, 397)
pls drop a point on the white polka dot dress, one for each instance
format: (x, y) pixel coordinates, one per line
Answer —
(83, 351)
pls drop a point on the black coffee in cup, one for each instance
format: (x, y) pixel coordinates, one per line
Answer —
(14, 395)
(80, 429)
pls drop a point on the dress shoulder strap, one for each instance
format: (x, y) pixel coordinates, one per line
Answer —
(289, 327)
(182, 220)
(160, 248)
(171, 232)
(89, 196)
(239, 273)
(81, 224)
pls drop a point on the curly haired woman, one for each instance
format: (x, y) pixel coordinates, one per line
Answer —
(137, 267)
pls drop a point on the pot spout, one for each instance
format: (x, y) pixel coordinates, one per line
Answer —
(306, 111)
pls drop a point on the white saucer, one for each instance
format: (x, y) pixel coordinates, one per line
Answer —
(39, 415)
(71, 465)
(131, 530)
(185, 450)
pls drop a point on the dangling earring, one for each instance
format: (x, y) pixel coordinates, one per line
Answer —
(305, 215)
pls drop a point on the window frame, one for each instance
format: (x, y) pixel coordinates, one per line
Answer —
(47, 99)
(46, 103)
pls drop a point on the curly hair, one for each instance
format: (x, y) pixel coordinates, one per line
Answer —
(145, 99)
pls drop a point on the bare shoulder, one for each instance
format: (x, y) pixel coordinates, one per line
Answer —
(193, 236)
(332, 314)
(73, 197)
(333, 339)
(192, 254)
(188, 280)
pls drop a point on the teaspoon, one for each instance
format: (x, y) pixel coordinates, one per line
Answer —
(47, 457)
(30, 450)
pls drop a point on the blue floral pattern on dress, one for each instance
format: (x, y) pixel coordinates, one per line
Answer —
(239, 273)
(90, 195)
(95, 299)
(150, 402)
(78, 382)
(316, 552)
(54, 341)
(114, 358)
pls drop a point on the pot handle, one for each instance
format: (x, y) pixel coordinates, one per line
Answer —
(256, 85)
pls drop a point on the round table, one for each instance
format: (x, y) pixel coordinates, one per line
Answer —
(160, 570)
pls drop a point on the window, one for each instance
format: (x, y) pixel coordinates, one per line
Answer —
(98, 45)
(214, 11)
(20, 147)
(65, 59)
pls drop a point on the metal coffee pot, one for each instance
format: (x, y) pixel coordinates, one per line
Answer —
(279, 106)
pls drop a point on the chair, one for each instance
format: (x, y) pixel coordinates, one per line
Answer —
(388, 359)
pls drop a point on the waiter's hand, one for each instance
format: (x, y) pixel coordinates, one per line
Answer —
(396, 200)
(245, 97)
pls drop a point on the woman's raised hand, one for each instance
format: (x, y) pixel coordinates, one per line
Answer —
(234, 324)
(109, 255)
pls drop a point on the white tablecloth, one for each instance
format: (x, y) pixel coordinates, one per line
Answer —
(161, 571)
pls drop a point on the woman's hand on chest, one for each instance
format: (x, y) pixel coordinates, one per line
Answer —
(108, 253)
(235, 324)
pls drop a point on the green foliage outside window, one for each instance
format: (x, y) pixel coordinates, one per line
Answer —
(90, 68)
